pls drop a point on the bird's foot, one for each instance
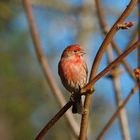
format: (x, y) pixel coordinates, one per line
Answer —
(72, 97)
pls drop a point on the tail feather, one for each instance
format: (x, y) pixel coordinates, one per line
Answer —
(77, 106)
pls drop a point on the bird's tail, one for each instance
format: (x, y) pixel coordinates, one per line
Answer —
(77, 106)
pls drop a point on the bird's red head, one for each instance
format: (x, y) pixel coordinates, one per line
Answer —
(73, 47)
(71, 50)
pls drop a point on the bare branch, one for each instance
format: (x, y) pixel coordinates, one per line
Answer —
(107, 40)
(45, 67)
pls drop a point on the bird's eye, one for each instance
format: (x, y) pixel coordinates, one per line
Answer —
(75, 51)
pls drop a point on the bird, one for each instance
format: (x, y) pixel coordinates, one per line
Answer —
(73, 73)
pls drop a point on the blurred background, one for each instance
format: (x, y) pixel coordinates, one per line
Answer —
(26, 101)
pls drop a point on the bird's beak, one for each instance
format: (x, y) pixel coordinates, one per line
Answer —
(82, 52)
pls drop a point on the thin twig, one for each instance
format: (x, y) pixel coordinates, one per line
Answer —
(108, 38)
(45, 67)
(115, 77)
(88, 86)
(114, 116)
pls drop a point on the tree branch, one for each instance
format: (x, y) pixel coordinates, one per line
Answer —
(108, 38)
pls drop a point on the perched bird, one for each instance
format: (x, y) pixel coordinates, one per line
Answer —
(73, 72)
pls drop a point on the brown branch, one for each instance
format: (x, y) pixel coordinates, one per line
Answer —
(45, 67)
(115, 77)
(121, 106)
(108, 38)
(88, 86)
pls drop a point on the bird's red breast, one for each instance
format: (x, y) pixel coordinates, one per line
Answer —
(73, 70)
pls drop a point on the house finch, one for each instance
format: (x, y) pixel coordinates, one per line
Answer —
(73, 72)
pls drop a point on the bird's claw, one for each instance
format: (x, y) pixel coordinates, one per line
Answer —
(72, 97)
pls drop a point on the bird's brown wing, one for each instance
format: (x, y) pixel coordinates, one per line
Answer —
(86, 69)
